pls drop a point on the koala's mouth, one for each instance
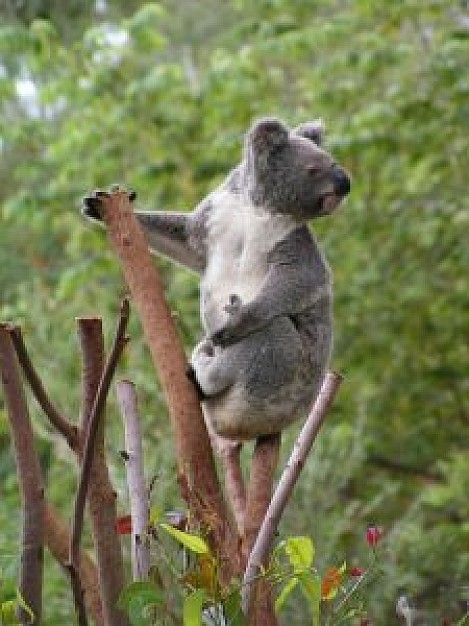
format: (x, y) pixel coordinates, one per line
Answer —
(336, 192)
(329, 202)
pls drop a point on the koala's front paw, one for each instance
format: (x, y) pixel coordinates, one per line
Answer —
(93, 204)
(227, 334)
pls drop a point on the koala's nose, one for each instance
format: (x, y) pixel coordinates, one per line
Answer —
(341, 180)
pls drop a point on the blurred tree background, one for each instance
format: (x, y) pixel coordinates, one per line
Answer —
(157, 97)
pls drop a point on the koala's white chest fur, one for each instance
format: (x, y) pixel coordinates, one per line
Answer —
(239, 239)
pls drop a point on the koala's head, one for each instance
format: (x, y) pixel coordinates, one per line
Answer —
(287, 171)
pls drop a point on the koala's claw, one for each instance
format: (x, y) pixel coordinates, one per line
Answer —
(234, 305)
(115, 188)
(222, 337)
(92, 204)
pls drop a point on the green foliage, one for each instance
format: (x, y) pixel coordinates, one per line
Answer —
(138, 597)
(9, 609)
(331, 598)
(192, 609)
(190, 541)
(157, 96)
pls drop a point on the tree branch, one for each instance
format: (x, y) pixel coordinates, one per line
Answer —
(57, 539)
(261, 481)
(234, 483)
(61, 423)
(88, 456)
(91, 341)
(193, 451)
(263, 544)
(230, 454)
(260, 487)
(30, 480)
(139, 509)
(101, 495)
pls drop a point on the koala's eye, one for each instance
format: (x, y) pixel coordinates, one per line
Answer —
(313, 171)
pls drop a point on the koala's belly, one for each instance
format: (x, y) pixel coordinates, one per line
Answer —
(239, 241)
(241, 272)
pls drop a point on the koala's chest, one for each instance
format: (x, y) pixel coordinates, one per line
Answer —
(239, 240)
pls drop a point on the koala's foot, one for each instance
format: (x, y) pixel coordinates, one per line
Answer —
(222, 337)
(92, 206)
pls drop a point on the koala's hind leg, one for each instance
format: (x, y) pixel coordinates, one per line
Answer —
(213, 369)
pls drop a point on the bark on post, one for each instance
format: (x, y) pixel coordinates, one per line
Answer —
(138, 495)
(30, 480)
(94, 478)
(57, 539)
(261, 481)
(193, 451)
(101, 494)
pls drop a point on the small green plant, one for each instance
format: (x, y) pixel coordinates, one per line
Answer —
(335, 596)
(193, 581)
(10, 607)
(332, 596)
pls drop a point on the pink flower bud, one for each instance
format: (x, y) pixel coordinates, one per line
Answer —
(373, 535)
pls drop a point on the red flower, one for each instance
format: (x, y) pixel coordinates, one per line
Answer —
(357, 572)
(373, 535)
(124, 525)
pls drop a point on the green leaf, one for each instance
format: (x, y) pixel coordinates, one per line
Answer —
(192, 609)
(233, 610)
(8, 613)
(191, 542)
(149, 14)
(143, 27)
(155, 515)
(311, 587)
(300, 551)
(136, 597)
(286, 591)
(21, 603)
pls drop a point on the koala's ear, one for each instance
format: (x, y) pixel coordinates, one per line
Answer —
(267, 134)
(312, 130)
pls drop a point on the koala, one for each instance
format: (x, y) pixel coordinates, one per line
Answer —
(265, 286)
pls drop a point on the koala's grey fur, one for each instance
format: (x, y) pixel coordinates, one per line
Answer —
(265, 289)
